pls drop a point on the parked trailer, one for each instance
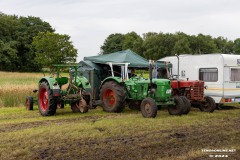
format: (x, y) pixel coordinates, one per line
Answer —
(220, 72)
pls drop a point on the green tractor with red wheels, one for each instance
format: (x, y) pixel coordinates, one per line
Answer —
(52, 95)
(147, 94)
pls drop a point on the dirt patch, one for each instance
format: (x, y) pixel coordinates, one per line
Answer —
(163, 144)
(26, 125)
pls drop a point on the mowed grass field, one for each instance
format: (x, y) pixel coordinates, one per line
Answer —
(100, 135)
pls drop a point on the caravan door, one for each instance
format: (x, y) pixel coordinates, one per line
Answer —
(231, 84)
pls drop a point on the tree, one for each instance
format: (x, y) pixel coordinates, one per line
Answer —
(53, 48)
(30, 27)
(182, 46)
(132, 41)
(237, 46)
(113, 43)
(158, 45)
(203, 44)
(16, 35)
(117, 42)
(224, 45)
(8, 56)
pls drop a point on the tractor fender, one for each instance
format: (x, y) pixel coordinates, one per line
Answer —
(50, 81)
(116, 79)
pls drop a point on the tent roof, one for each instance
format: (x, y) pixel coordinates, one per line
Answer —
(88, 65)
(126, 56)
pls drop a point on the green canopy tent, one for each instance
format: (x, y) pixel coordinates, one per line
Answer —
(126, 56)
(95, 74)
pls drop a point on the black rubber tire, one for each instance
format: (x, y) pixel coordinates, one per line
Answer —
(113, 97)
(187, 105)
(29, 103)
(208, 105)
(149, 108)
(46, 108)
(178, 108)
(135, 105)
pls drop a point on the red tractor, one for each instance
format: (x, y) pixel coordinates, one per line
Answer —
(192, 89)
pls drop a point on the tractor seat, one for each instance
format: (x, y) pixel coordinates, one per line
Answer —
(61, 81)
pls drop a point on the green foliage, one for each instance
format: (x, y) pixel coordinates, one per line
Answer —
(53, 48)
(224, 45)
(113, 43)
(16, 50)
(132, 41)
(157, 45)
(118, 42)
(236, 46)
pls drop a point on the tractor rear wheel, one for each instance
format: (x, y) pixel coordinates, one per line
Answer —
(46, 102)
(113, 97)
(178, 108)
(208, 105)
(187, 105)
(149, 108)
(29, 103)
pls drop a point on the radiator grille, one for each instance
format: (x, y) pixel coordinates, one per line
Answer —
(198, 91)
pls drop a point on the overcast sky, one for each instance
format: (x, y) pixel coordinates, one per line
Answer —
(89, 22)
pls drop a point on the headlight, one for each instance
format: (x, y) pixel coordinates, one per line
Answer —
(168, 91)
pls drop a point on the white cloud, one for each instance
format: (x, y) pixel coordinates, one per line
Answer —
(89, 22)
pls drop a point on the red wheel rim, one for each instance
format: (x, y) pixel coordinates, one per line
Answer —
(43, 98)
(110, 97)
(27, 103)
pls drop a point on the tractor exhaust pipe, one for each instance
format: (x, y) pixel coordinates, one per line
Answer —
(177, 70)
(150, 72)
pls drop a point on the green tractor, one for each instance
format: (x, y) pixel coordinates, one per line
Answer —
(51, 94)
(147, 94)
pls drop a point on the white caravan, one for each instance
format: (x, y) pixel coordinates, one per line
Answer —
(220, 72)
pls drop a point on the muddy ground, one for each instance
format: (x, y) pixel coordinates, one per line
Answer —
(176, 143)
(167, 144)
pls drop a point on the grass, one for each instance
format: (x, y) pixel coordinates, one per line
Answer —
(27, 135)
(15, 87)
(100, 135)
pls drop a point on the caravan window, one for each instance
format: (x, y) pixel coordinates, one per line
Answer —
(235, 74)
(208, 74)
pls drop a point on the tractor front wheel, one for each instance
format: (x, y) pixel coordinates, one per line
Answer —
(29, 103)
(149, 108)
(178, 108)
(208, 105)
(113, 97)
(46, 102)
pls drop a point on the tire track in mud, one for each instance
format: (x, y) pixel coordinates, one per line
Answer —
(150, 145)
(27, 125)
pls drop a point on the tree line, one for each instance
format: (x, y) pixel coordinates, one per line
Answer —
(154, 45)
(29, 43)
